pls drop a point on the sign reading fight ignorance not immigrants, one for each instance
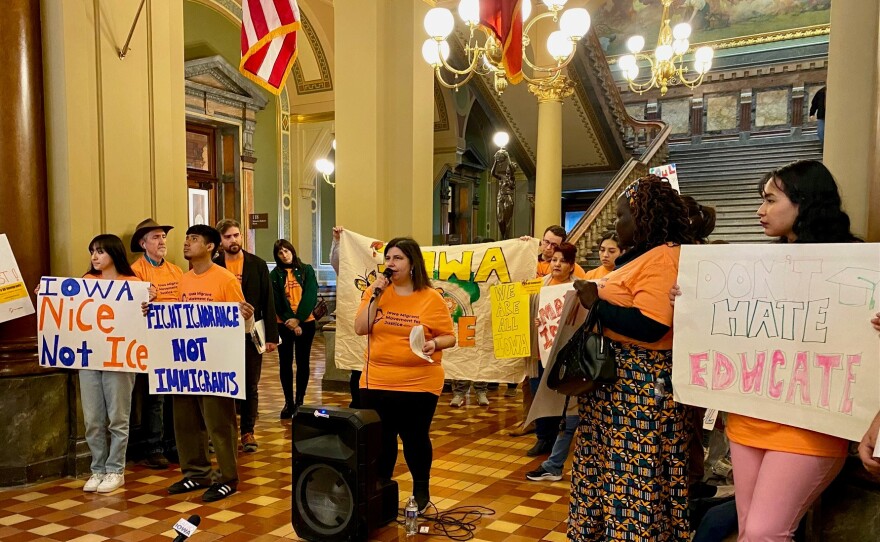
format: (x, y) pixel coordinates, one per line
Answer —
(463, 274)
(186, 348)
(781, 333)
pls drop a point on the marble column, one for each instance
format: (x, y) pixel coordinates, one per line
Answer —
(548, 174)
(34, 397)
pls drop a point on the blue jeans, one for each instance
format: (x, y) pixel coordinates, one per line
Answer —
(718, 523)
(820, 130)
(554, 463)
(106, 404)
(461, 387)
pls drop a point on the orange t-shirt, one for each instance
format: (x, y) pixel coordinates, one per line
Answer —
(165, 277)
(214, 285)
(235, 265)
(294, 293)
(544, 269)
(644, 283)
(392, 365)
(768, 435)
(598, 273)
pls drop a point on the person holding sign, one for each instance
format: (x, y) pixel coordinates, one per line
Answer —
(296, 293)
(106, 395)
(609, 250)
(199, 417)
(164, 278)
(629, 478)
(403, 385)
(868, 451)
(781, 470)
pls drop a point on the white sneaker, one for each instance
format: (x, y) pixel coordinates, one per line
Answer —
(93, 482)
(111, 482)
(482, 400)
(457, 400)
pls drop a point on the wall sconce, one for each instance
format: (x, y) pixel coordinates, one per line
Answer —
(326, 168)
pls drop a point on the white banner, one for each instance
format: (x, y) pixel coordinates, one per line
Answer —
(781, 332)
(186, 348)
(15, 300)
(550, 302)
(463, 274)
(669, 171)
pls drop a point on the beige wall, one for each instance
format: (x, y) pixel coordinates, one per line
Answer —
(114, 127)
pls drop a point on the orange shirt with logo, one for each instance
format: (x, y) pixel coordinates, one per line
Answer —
(598, 273)
(235, 265)
(644, 283)
(165, 277)
(392, 365)
(544, 269)
(214, 285)
(294, 292)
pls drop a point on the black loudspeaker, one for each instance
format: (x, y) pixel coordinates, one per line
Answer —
(337, 494)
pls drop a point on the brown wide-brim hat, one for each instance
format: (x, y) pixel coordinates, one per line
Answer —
(142, 229)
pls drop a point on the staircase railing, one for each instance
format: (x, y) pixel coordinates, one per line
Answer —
(600, 216)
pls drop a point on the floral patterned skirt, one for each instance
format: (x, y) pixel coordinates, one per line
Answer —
(630, 475)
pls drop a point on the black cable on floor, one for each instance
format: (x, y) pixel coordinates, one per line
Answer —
(456, 524)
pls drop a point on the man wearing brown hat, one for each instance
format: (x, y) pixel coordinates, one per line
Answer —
(164, 278)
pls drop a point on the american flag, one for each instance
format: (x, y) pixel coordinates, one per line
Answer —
(268, 41)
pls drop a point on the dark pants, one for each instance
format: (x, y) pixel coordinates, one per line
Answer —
(146, 419)
(253, 367)
(409, 415)
(196, 418)
(354, 386)
(301, 348)
(545, 428)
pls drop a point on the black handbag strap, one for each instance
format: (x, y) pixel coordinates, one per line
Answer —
(593, 320)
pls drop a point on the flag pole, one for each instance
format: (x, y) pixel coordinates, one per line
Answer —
(124, 50)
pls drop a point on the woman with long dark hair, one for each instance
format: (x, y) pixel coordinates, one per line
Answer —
(629, 478)
(296, 294)
(400, 385)
(106, 395)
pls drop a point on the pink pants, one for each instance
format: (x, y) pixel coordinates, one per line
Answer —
(775, 489)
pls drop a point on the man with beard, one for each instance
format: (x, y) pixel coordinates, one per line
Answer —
(253, 275)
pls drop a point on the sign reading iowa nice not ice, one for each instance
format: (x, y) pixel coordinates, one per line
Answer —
(185, 348)
(781, 333)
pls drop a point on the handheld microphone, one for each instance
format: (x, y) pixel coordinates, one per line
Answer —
(378, 291)
(186, 528)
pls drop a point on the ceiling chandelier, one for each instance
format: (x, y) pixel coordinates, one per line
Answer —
(667, 63)
(487, 57)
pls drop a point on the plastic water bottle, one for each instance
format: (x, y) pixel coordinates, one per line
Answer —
(411, 515)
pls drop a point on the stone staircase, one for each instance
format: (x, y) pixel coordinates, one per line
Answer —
(727, 177)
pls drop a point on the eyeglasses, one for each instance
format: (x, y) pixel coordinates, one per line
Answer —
(547, 243)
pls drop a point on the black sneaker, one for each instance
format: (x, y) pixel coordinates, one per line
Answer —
(540, 475)
(217, 492)
(185, 486)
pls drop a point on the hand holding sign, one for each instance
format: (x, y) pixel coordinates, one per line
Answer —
(587, 292)
(869, 452)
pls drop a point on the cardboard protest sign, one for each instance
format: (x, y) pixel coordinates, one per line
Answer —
(781, 332)
(463, 274)
(550, 303)
(196, 348)
(186, 348)
(510, 321)
(14, 299)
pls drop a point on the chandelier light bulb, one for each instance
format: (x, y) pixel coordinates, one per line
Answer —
(680, 47)
(704, 54)
(681, 31)
(469, 11)
(432, 49)
(575, 22)
(635, 44)
(526, 9)
(559, 45)
(439, 23)
(324, 166)
(631, 73)
(626, 62)
(500, 139)
(663, 53)
(554, 5)
(333, 144)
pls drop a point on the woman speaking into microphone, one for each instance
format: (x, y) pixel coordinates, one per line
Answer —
(400, 385)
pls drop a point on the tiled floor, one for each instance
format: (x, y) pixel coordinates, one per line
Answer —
(474, 464)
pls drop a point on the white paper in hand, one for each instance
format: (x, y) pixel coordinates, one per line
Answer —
(417, 342)
(877, 445)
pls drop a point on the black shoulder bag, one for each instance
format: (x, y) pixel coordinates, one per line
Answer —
(586, 362)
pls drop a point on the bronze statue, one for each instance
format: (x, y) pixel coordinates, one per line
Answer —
(504, 169)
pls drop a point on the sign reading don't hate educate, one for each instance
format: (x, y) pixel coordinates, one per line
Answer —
(781, 332)
(185, 348)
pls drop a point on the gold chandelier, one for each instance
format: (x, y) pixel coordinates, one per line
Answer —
(667, 63)
(486, 58)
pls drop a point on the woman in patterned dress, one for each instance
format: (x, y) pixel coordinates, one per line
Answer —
(630, 472)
